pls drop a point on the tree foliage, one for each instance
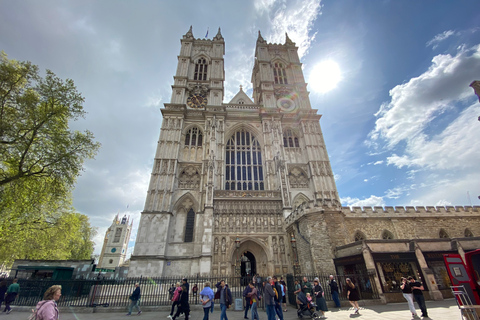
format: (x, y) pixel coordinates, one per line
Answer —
(40, 159)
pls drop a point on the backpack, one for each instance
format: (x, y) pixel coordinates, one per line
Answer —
(33, 316)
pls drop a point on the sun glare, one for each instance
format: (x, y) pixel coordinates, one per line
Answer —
(325, 76)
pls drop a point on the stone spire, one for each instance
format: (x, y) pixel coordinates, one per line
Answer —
(219, 35)
(476, 88)
(189, 34)
(260, 38)
(288, 41)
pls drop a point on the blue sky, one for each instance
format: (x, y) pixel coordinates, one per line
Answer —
(400, 127)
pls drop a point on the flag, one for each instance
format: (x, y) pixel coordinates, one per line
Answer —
(207, 33)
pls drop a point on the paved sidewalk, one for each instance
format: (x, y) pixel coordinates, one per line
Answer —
(437, 310)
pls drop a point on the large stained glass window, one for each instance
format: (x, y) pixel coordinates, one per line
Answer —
(243, 159)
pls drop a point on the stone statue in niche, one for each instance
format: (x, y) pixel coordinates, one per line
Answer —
(224, 245)
(282, 245)
(215, 246)
(274, 245)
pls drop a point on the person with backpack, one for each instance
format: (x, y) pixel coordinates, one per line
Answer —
(176, 299)
(277, 288)
(225, 296)
(269, 295)
(135, 297)
(246, 291)
(47, 308)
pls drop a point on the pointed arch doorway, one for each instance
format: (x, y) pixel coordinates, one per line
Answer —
(249, 258)
(248, 264)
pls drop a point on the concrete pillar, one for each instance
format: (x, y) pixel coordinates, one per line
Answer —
(429, 280)
(370, 265)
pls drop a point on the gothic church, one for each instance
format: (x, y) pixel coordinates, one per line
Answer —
(246, 187)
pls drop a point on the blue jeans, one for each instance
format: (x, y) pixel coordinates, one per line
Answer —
(270, 312)
(206, 312)
(278, 310)
(223, 315)
(254, 311)
(336, 299)
(133, 304)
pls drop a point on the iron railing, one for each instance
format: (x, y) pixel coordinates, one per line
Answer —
(154, 291)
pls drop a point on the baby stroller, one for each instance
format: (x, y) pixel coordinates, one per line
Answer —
(306, 308)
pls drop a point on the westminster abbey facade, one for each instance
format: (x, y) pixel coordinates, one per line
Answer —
(246, 187)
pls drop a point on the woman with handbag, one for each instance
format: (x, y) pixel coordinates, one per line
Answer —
(47, 308)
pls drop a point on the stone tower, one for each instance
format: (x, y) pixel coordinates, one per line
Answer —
(115, 244)
(227, 175)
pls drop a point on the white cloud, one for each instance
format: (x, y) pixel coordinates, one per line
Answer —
(294, 17)
(439, 38)
(415, 106)
(373, 201)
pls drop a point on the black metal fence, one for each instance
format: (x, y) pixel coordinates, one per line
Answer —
(155, 291)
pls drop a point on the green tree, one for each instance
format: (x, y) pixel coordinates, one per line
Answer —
(40, 159)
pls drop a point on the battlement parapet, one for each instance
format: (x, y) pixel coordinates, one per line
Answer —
(411, 210)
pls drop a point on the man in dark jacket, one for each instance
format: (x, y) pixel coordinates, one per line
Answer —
(417, 288)
(334, 290)
(135, 297)
(278, 298)
(269, 297)
(246, 291)
(225, 296)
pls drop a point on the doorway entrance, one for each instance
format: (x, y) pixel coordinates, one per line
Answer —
(248, 267)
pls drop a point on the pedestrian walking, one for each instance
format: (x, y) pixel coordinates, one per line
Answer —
(183, 306)
(408, 295)
(246, 291)
(3, 291)
(278, 297)
(135, 297)
(319, 294)
(175, 299)
(352, 295)
(334, 291)
(417, 288)
(225, 296)
(12, 293)
(206, 298)
(269, 296)
(253, 295)
(47, 308)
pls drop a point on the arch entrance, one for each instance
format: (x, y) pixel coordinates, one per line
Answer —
(248, 259)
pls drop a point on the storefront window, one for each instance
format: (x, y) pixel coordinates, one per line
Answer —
(392, 272)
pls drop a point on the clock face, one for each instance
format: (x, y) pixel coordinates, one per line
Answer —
(286, 104)
(197, 101)
(113, 250)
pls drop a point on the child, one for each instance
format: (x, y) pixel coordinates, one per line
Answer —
(309, 298)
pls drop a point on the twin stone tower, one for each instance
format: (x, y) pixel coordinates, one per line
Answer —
(227, 176)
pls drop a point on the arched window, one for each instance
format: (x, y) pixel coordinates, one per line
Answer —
(241, 101)
(387, 235)
(193, 138)
(243, 159)
(443, 234)
(200, 70)
(359, 236)
(468, 233)
(290, 140)
(279, 73)
(189, 226)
